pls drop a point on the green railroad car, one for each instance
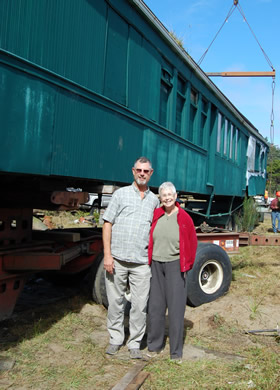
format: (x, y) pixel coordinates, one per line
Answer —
(87, 86)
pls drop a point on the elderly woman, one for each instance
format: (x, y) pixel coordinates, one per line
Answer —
(172, 249)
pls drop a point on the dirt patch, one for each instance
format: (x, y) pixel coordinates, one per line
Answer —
(233, 311)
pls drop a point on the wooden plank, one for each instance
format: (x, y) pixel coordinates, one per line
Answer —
(138, 381)
(56, 236)
(129, 377)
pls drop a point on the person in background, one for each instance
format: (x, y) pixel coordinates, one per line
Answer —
(265, 196)
(275, 212)
(127, 222)
(172, 250)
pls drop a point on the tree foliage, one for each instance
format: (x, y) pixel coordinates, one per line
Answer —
(273, 170)
(248, 217)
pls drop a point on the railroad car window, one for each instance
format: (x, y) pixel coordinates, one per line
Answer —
(231, 141)
(166, 76)
(262, 161)
(181, 86)
(236, 144)
(179, 110)
(219, 132)
(164, 94)
(165, 90)
(226, 137)
(194, 97)
(257, 157)
(180, 102)
(204, 106)
(251, 154)
(202, 127)
(193, 112)
(203, 124)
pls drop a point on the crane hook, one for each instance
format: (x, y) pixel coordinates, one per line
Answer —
(235, 2)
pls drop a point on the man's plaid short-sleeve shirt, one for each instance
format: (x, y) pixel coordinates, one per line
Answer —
(131, 219)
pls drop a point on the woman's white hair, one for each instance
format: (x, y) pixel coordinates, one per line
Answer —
(167, 185)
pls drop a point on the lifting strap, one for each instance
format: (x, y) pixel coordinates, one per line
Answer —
(235, 6)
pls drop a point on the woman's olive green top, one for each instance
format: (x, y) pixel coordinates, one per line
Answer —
(166, 238)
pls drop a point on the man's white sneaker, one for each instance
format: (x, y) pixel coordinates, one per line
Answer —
(112, 349)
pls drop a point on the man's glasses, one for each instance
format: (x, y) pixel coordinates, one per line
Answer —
(138, 170)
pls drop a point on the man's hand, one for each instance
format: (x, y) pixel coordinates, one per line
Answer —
(109, 264)
(108, 258)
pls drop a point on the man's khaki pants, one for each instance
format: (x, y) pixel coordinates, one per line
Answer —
(138, 276)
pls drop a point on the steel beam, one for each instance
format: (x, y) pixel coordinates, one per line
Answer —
(242, 74)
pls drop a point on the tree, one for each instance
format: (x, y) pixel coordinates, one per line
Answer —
(273, 170)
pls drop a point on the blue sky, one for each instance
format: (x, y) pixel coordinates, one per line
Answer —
(197, 22)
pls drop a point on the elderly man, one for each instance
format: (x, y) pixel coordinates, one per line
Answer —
(275, 212)
(126, 228)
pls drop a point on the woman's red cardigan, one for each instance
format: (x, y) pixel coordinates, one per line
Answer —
(187, 237)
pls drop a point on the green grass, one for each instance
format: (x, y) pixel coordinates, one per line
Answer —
(54, 349)
(261, 369)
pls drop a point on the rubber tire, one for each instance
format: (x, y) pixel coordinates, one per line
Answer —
(98, 286)
(215, 262)
(97, 281)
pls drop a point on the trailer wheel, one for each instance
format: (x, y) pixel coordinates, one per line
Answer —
(210, 276)
(97, 281)
(98, 286)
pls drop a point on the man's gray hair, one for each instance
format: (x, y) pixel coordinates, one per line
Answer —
(143, 160)
(167, 185)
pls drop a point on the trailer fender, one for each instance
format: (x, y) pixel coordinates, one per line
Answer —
(210, 276)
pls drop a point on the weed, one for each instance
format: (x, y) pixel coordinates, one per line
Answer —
(254, 308)
(217, 319)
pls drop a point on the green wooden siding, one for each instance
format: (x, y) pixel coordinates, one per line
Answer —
(27, 117)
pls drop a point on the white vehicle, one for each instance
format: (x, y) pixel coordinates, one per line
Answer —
(93, 203)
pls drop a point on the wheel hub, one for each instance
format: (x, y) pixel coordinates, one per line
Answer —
(205, 276)
(211, 277)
